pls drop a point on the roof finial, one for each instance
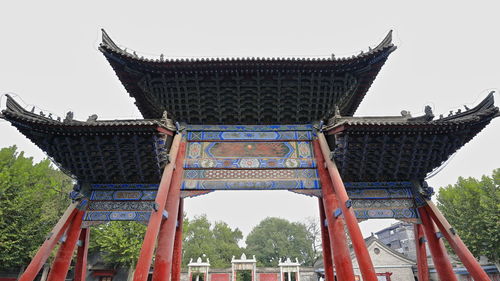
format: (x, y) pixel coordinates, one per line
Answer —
(69, 117)
(92, 118)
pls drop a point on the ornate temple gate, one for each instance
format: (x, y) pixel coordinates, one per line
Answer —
(359, 167)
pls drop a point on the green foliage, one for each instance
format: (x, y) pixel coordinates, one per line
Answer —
(32, 198)
(275, 238)
(118, 241)
(217, 241)
(244, 275)
(473, 208)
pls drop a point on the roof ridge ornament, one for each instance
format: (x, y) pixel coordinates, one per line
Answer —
(385, 42)
(107, 41)
(92, 118)
(68, 118)
(427, 117)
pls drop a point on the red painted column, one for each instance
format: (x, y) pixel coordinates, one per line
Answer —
(325, 239)
(358, 243)
(439, 256)
(146, 255)
(44, 251)
(338, 240)
(164, 250)
(177, 262)
(423, 267)
(472, 265)
(64, 255)
(81, 255)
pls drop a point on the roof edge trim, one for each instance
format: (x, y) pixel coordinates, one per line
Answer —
(108, 44)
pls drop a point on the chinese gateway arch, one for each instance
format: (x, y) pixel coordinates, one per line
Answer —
(251, 124)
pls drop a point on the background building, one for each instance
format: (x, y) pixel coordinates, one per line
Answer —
(399, 237)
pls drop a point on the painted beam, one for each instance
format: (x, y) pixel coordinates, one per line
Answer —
(461, 250)
(325, 243)
(164, 251)
(146, 254)
(44, 251)
(337, 236)
(177, 259)
(64, 255)
(438, 251)
(359, 246)
(422, 266)
(82, 254)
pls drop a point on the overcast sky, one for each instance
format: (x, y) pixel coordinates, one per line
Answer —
(448, 55)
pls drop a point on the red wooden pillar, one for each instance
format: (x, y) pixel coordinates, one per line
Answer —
(164, 251)
(44, 251)
(64, 255)
(325, 239)
(146, 254)
(423, 267)
(338, 240)
(177, 262)
(358, 243)
(472, 265)
(441, 260)
(81, 255)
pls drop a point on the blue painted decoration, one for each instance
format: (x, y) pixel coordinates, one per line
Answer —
(249, 184)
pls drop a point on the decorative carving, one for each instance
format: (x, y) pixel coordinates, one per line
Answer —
(92, 118)
(69, 117)
(405, 114)
(247, 98)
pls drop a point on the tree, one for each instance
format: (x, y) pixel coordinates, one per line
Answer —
(218, 241)
(32, 198)
(313, 226)
(119, 243)
(275, 238)
(473, 208)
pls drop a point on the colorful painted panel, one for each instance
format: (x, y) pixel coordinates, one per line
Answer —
(249, 128)
(249, 184)
(194, 193)
(123, 195)
(201, 150)
(117, 216)
(120, 206)
(379, 193)
(396, 184)
(254, 136)
(124, 186)
(386, 203)
(251, 174)
(386, 213)
(249, 158)
(249, 163)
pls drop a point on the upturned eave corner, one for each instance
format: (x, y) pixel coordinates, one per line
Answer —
(107, 41)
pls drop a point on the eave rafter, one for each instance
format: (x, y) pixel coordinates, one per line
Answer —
(227, 90)
(404, 147)
(95, 150)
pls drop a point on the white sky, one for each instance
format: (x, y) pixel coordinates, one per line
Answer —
(448, 55)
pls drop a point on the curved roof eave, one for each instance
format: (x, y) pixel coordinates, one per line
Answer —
(108, 45)
(14, 112)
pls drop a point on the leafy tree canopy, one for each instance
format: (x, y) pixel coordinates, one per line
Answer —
(32, 198)
(217, 241)
(118, 241)
(275, 238)
(472, 206)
